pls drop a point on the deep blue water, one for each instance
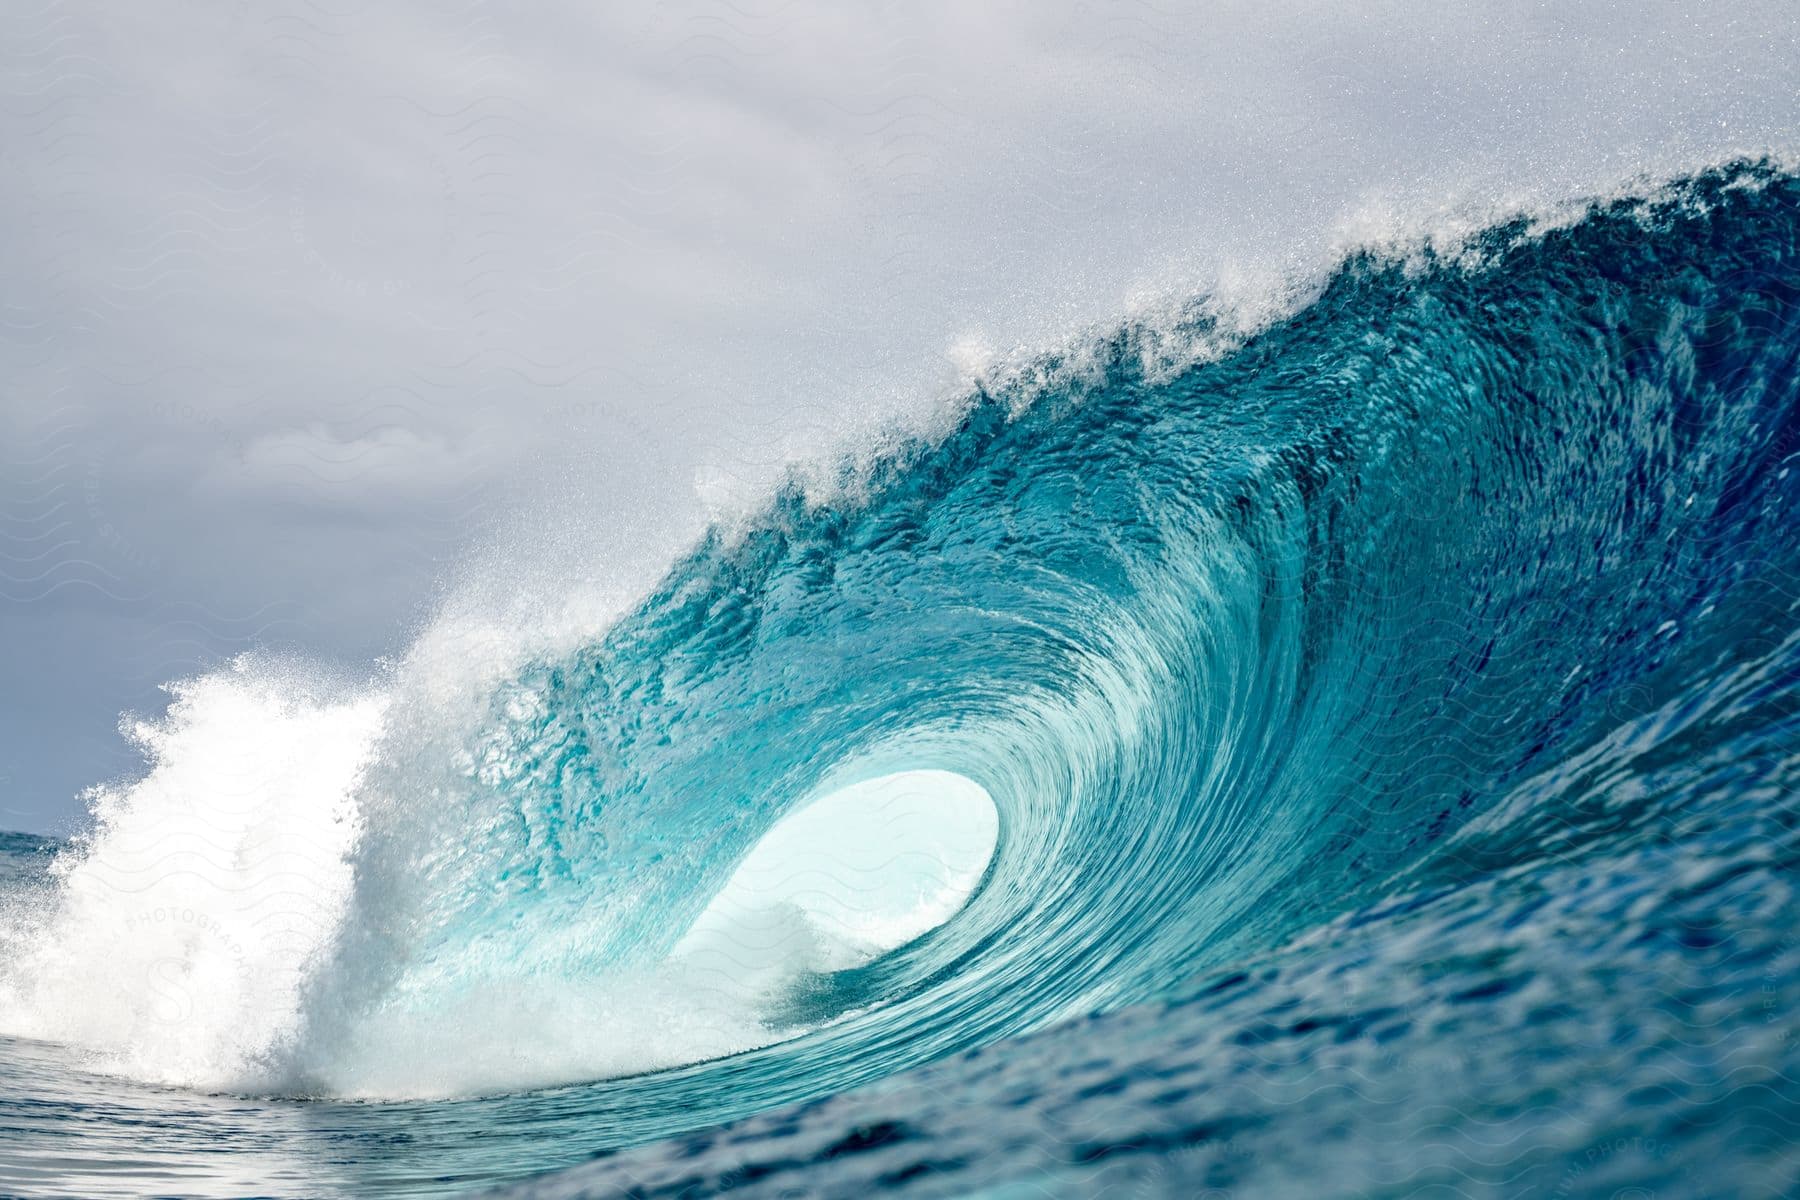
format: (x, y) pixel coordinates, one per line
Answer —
(1394, 726)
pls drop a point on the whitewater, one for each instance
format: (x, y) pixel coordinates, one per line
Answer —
(1342, 728)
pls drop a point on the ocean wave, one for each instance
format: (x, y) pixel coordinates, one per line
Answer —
(1341, 588)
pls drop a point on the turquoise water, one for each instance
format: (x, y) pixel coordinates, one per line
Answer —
(1391, 720)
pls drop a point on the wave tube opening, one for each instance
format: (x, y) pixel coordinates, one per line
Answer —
(848, 877)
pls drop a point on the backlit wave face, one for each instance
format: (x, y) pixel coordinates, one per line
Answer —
(1225, 644)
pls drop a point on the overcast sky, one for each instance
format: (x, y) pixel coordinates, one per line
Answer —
(303, 300)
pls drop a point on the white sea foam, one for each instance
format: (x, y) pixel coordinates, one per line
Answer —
(183, 925)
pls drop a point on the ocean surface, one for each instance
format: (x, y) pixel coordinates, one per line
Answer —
(1373, 719)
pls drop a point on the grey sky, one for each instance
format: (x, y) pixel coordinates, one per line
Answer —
(301, 301)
